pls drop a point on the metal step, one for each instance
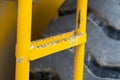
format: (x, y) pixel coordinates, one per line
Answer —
(62, 62)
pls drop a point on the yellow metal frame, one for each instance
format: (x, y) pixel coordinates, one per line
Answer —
(27, 51)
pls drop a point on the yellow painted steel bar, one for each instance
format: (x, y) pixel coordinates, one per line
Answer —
(81, 15)
(52, 38)
(79, 62)
(23, 39)
(79, 50)
(53, 47)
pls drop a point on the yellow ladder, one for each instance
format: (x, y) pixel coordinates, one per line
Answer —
(27, 50)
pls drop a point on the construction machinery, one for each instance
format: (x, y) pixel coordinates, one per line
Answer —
(53, 34)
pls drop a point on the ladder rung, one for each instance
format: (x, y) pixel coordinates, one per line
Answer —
(52, 38)
(44, 47)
